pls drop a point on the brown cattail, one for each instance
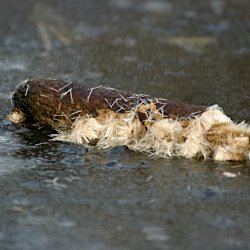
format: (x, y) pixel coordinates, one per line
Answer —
(106, 117)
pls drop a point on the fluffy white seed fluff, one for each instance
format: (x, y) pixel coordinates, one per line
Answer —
(165, 137)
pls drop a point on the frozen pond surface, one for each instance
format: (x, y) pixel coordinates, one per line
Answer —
(60, 196)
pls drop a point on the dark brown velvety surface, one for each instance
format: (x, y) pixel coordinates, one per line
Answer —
(42, 100)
